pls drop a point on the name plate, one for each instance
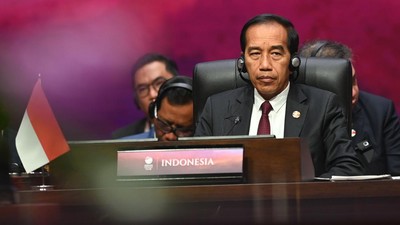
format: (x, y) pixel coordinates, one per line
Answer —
(180, 163)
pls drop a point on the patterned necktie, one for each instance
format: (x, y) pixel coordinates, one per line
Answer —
(264, 126)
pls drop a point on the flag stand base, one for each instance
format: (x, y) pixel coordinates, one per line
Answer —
(43, 187)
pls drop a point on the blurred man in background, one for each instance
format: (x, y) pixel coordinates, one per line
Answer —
(149, 72)
(375, 124)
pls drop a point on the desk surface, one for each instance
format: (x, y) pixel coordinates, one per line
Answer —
(356, 202)
(92, 164)
(272, 193)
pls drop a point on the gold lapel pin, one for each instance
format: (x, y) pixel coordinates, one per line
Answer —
(296, 114)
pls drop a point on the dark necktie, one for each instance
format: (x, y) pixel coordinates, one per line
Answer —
(263, 126)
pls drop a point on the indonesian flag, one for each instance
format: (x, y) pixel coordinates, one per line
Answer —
(39, 139)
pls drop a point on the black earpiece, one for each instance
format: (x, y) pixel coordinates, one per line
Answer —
(294, 62)
(242, 69)
(240, 65)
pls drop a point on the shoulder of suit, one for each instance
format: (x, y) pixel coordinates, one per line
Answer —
(372, 97)
(233, 92)
(130, 129)
(311, 89)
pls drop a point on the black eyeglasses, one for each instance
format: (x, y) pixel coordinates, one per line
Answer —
(143, 90)
(166, 128)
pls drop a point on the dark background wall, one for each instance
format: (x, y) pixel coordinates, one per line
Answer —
(84, 49)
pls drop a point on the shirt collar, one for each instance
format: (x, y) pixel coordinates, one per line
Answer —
(276, 102)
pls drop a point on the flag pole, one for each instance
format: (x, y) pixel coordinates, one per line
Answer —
(39, 139)
(44, 170)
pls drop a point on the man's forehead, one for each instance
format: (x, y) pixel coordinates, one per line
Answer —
(148, 75)
(173, 113)
(261, 35)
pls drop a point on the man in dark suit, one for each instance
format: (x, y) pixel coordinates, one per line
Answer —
(375, 126)
(269, 44)
(172, 111)
(149, 72)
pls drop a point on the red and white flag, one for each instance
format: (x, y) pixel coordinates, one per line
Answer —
(39, 139)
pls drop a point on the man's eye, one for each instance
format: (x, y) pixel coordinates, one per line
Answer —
(254, 54)
(158, 83)
(141, 89)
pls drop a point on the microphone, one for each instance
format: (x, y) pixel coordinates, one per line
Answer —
(235, 122)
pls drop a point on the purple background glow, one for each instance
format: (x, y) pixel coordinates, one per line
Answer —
(84, 50)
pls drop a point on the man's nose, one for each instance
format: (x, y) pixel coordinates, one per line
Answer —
(170, 136)
(153, 92)
(265, 62)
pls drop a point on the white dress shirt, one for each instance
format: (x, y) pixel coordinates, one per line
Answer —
(276, 116)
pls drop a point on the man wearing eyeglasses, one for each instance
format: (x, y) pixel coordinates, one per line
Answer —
(172, 111)
(149, 72)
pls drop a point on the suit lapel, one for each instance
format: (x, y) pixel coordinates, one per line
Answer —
(296, 111)
(238, 113)
(360, 123)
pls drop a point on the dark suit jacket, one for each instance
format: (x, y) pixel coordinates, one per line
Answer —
(322, 124)
(375, 121)
(134, 128)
